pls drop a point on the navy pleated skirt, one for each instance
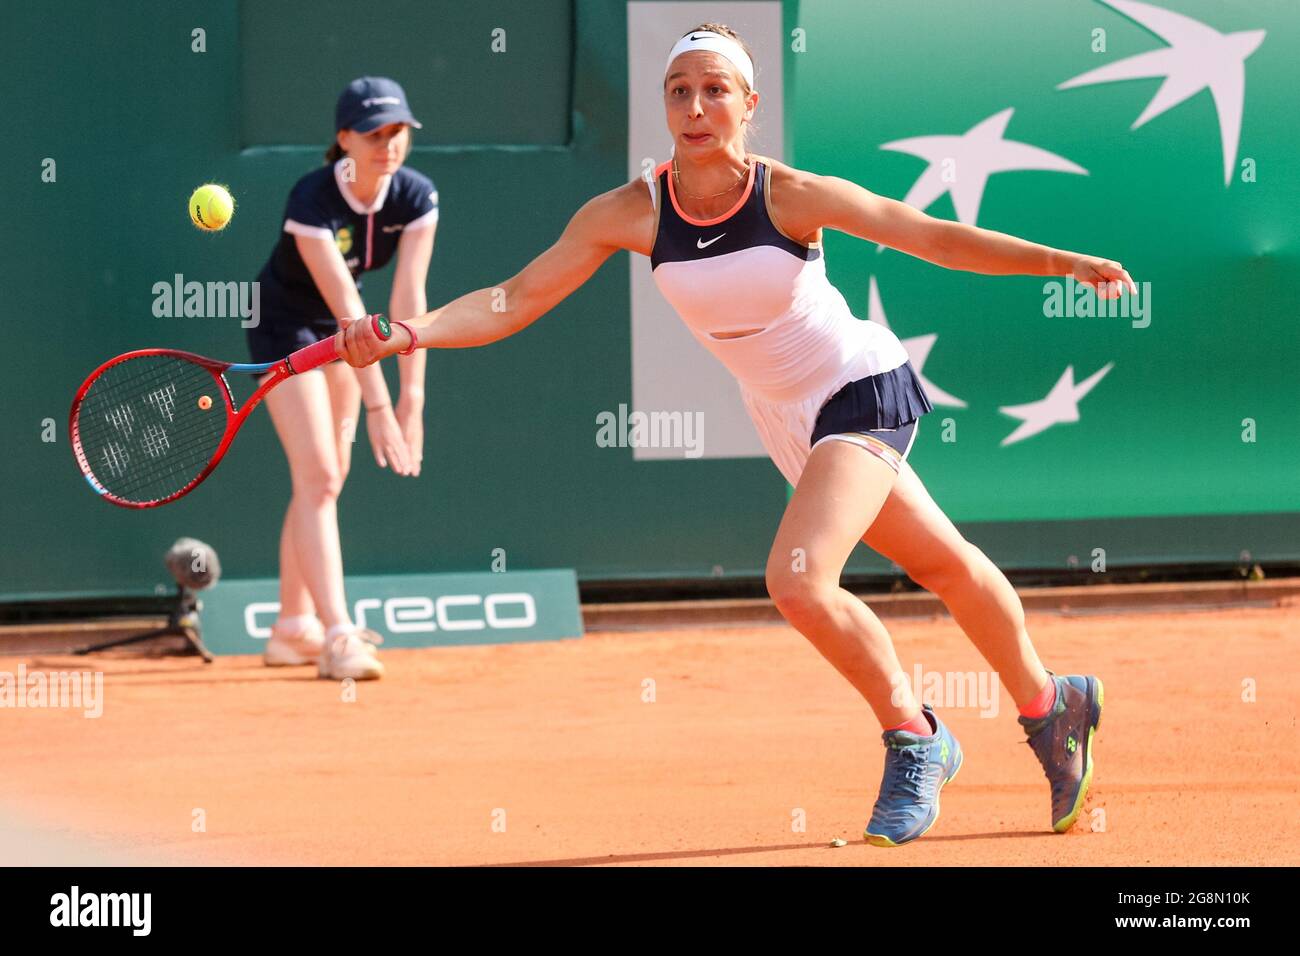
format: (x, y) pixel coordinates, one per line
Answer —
(888, 400)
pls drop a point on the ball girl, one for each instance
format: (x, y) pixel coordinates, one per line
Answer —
(349, 217)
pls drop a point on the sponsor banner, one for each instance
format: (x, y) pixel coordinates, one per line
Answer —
(412, 610)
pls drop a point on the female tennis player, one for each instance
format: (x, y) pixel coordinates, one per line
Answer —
(344, 219)
(734, 242)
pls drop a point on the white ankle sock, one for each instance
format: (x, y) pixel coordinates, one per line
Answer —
(345, 628)
(295, 625)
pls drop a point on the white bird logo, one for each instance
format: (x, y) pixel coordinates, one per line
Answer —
(962, 164)
(1060, 405)
(1197, 57)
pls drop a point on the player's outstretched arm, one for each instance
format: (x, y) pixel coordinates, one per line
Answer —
(596, 231)
(839, 204)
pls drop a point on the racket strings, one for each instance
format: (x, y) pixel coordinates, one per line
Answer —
(149, 425)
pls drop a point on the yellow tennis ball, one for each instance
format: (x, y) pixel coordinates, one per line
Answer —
(211, 207)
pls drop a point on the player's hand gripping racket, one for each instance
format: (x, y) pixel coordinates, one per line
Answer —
(148, 426)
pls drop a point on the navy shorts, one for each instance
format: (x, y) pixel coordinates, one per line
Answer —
(879, 412)
(270, 341)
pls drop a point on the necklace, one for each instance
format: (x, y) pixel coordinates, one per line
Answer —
(677, 175)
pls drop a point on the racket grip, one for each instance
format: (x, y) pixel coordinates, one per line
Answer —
(324, 351)
(314, 356)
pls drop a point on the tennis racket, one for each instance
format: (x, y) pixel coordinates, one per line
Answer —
(148, 426)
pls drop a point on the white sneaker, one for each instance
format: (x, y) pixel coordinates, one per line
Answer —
(351, 655)
(294, 648)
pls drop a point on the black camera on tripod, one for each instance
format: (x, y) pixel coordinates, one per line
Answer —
(195, 567)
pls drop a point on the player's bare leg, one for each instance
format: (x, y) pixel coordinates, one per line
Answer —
(301, 411)
(345, 407)
(916, 534)
(295, 596)
(913, 532)
(839, 494)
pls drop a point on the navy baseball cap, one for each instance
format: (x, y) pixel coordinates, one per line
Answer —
(371, 102)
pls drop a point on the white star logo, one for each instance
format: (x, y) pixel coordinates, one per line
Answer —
(1197, 57)
(961, 165)
(1060, 405)
(918, 349)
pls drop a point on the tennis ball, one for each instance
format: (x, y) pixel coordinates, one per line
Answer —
(205, 402)
(211, 207)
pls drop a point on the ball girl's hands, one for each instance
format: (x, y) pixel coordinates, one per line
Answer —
(388, 442)
(410, 419)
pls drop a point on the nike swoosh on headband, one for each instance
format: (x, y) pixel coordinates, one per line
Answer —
(714, 43)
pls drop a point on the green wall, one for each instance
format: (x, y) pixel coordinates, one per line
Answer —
(135, 119)
(1161, 434)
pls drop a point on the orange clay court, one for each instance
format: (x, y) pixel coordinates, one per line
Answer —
(747, 727)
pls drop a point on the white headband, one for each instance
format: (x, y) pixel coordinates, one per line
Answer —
(715, 43)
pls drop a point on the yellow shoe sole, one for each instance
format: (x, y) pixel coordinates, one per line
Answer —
(1063, 824)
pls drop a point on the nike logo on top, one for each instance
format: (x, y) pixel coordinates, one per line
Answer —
(700, 243)
(694, 37)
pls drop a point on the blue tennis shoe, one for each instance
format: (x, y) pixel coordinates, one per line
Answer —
(1062, 742)
(916, 769)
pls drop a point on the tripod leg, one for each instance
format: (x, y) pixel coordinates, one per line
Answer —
(195, 638)
(121, 641)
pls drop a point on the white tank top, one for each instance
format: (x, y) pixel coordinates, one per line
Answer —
(739, 271)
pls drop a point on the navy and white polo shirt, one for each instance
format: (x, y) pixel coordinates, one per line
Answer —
(323, 205)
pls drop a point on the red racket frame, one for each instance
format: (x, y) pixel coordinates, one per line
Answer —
(304, 360)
